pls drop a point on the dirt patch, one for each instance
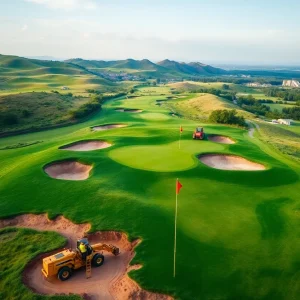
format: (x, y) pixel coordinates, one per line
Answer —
(86, 145)
(230, 162)
(68, 170)
(107, 127)
(110, 281)
(220, 139)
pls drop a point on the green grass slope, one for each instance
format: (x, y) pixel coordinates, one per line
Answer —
(29, 111)
(32, 243)
(237, 233)
(19, 74)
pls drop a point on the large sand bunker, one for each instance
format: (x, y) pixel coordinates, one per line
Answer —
(220, 139)
(230, 162)
(107, 127)
(110, 281)
(86, 145)
(68, 170)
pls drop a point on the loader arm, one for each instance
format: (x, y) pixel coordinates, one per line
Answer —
(107, 247)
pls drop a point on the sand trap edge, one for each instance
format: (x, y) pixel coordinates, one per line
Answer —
(108, 126)
(261, 167)
(128, 110)
(66, 147)
(70, 160)
(214, 137)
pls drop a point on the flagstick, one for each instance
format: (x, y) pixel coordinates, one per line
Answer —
(175, 232)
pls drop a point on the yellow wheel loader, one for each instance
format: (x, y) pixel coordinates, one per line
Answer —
(62, 264)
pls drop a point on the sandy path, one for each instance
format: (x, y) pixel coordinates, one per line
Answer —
(109, 281)
(220, 139)
(86, 146)
(230, 162)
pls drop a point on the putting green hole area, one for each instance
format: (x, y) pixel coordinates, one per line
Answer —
(230, 162)
(161, 158)
(154, 116)
(68, 170)
(107, 127)
(87, 145)
(165, 157)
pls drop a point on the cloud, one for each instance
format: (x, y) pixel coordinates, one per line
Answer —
(24, 27)
(66, 4)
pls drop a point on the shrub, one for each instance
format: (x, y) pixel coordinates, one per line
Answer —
(26, 113)
(9, 119)
(224, 116)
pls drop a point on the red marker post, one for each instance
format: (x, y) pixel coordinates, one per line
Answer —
(180, 132)
(178, 187)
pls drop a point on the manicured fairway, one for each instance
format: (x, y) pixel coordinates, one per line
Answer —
(238, 231)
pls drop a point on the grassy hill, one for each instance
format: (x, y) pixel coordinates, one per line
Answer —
(193, 68)
(18, 74)
(28, 111)
(199, 106)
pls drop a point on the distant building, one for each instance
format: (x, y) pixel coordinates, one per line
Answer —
(285, 121)
(64, 88)
(257, 84)
(291, 83)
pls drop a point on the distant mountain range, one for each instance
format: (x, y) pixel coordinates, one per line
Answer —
(145, 67)
(130, 69)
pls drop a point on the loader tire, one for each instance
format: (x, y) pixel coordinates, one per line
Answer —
(64, 273)
(98, 260)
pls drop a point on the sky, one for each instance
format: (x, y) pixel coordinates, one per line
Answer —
(254, 32)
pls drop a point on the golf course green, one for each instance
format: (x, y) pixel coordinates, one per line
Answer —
(238, 231)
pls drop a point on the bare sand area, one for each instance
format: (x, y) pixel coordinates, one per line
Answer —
(110, 281)
(230, 162)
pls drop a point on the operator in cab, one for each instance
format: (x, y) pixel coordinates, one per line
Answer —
(83, 250)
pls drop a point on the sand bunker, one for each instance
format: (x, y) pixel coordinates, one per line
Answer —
(107, 127)
(220, 139)
(68, 170)
(129, 110)
(230, 162)
(110, 281)
(86, 145)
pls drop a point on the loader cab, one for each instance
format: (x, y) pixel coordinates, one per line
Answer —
(86, 243)
(199, 129)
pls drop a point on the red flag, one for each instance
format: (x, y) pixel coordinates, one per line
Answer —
(180, 129)
(178, 186)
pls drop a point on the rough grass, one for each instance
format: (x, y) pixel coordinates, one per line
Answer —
(200, 106)
(188, 86)
(278, 107)
(42, 110)
(285, 139)
(17, 248)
